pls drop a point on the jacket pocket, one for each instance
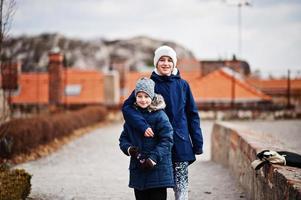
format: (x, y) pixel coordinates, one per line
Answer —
(181, 136)
(182, 146)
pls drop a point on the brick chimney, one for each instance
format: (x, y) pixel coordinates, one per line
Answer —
(10, 75)
(55, 71)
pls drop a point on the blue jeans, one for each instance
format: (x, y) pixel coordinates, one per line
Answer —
(181, 180)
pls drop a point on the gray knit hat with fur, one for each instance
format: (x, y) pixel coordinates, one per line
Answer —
(145, 85)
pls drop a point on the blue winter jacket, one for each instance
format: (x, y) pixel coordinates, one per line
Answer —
(157, 148)
(181, 111)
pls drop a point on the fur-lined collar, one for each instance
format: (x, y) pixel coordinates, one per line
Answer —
(158, 103)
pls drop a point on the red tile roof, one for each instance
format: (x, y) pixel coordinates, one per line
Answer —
(276, 86)
(217, 87)
(34, 87)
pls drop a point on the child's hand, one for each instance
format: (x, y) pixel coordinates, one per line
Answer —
(147, 164)
(149, 132)
(134, 151)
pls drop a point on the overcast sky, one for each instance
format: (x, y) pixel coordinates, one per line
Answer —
(271, 29)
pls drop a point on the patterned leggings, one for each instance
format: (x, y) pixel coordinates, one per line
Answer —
(181, 178)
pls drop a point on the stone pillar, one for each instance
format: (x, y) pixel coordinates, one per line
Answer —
(56, 83)
(120, 64)
(111, 88)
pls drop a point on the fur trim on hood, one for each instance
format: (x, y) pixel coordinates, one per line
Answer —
(158, 103)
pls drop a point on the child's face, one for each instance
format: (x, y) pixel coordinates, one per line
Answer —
(143, 100)
(165, 65)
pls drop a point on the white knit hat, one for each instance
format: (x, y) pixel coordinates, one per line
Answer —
(165, 51)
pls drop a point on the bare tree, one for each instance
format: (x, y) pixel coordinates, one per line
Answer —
(7, 8)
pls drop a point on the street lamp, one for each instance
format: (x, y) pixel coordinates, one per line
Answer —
(239, 4)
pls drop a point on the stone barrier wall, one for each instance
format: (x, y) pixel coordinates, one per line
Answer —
(236, 149)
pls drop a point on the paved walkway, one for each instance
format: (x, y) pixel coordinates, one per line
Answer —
(93, 168)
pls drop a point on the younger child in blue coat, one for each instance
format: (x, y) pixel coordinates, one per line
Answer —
(151, 170)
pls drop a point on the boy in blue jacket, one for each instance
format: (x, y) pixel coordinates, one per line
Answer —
(151, 169)
(181, 111)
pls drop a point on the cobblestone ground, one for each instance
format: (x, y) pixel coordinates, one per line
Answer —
(93, 167)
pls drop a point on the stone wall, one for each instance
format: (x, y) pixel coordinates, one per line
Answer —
(236, 148)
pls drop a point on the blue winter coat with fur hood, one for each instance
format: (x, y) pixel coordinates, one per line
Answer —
(157, 148)
(181, 111)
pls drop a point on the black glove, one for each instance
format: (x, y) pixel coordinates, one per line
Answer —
(146, 164)
(134, 152)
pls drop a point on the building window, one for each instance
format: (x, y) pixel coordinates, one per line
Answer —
(73, 90)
